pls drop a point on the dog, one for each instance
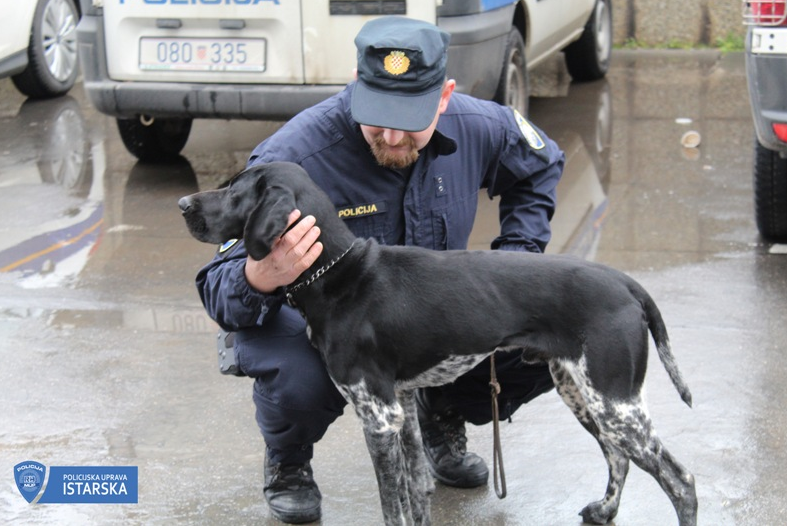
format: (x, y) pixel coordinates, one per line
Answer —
(390, 319)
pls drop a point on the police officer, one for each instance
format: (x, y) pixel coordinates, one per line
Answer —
(403, 158)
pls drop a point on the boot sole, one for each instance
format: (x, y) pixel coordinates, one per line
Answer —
(458, 483)
(300, 517)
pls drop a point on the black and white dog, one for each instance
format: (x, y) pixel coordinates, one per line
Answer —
(390, 319)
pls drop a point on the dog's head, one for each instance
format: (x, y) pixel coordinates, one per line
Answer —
(255, 206)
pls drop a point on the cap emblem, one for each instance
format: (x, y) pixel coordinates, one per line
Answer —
(396, 63)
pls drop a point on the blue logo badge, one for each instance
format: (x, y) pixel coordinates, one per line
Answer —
(29, 477)
(77, 484)
(528, 132)
(227, 245)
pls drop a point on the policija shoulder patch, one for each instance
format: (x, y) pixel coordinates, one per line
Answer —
(227, 245)
(528, 132)
(225, 249)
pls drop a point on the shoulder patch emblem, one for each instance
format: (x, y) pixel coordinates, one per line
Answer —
(227, 245)
(396, 63)
(528, 132)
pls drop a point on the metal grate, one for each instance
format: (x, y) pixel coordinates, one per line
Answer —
(764, 13)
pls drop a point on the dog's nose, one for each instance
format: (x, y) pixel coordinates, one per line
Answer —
(184, 203)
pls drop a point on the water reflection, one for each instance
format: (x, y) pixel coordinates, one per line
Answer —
(180, 320)
(51, 176)
(147, 257)
(585, 135)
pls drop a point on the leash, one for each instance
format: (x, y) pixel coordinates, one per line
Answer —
(497, 450)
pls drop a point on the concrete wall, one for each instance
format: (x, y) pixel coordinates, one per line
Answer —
(659, 22)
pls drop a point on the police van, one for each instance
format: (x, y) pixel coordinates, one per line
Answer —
(156, 65)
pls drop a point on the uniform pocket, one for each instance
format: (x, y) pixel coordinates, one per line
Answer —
(368, 221)
(451, 226)
(440, 230)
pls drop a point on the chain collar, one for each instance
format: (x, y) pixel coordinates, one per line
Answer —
(289, 291)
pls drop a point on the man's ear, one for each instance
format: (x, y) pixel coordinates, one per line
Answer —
(445, 95)
(268, 221)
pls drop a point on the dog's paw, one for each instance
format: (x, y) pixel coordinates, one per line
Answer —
(599, 512)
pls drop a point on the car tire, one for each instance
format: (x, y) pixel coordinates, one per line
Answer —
(588, 58)
(770, 193)
(65, 156)
(154, 140)
(512, 88)
(596, 126)
(52, 53)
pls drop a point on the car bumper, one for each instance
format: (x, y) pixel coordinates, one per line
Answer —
(766, 74)
(174, 99)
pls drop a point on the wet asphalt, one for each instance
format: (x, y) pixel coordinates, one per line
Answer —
(108, 358)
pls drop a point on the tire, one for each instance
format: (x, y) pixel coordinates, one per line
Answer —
(52, 54)
(512, 88)
(588, 58)
(65, 158)
(159, 140)
(770, 193)
(595, 126)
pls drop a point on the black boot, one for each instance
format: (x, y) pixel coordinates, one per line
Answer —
(445, 445)
(292, 494)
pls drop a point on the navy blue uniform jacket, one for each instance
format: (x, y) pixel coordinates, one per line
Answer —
(477, 144)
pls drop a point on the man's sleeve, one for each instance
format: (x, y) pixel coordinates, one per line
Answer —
(526, 182)
(227, 296)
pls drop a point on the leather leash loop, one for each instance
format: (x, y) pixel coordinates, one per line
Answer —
(497, 450)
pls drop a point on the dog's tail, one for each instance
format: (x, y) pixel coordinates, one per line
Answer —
(659, 332)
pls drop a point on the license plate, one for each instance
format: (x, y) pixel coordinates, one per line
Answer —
(202, 54)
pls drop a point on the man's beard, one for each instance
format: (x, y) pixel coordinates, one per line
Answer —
(389, 159)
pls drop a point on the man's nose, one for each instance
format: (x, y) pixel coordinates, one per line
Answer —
(393, 137)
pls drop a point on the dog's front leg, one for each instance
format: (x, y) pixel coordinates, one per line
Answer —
(389, 467)
(420, 484)
(382, 419)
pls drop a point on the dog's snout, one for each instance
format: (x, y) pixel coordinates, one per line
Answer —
(185, 203)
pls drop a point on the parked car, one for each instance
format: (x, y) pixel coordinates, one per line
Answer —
(156, 65)
(38, 46)
(766, 70)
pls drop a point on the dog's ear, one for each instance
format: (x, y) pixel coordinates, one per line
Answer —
(268, 221)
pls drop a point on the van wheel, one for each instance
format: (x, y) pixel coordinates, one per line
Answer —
(512, 89)
(152, 140)
(52, 65)
(588, 58)
(770, 193)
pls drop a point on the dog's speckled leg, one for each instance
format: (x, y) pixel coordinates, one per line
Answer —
(604, 510)
(420, 483)
(382, 426)
(624, 430)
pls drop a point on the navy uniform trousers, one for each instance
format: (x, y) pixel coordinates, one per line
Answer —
(296, 400)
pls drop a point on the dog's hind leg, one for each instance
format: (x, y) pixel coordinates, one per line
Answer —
(631, 431)
(420, 483)
(604, 510)
(624, 426)
(646, 450)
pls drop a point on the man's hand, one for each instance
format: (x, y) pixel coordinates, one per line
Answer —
(293, 253)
